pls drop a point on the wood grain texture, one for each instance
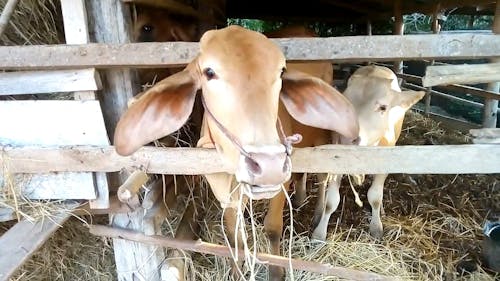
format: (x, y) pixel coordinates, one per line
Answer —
(55, 81)
(433, 159)
(462, 74)
(349, 48)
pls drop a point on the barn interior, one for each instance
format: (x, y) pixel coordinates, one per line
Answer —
(434, 223)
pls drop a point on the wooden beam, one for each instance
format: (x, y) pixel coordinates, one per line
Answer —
(491, 105)
(462, 89)
(488, 135)
(52, 186)
(55, 81)
(213, 249)
(349, 48)
(112, 24)
(463, 74)
(434, 159)
(23, 239)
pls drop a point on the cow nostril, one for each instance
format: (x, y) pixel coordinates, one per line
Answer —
(253, 166)
(356, 141)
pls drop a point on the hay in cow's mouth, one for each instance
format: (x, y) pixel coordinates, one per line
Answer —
(259, 192)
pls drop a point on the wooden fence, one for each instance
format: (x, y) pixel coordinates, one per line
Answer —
(64, 144)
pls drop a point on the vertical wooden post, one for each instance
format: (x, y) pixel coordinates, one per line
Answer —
(369, 28)
(111, 23)
(470, 23)
(76, 31)
(436, 28)
(491, 106)
(398, 30)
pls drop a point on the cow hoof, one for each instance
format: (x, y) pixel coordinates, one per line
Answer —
(376, 230)
(276, 273)
(172, 272)
(318, 235)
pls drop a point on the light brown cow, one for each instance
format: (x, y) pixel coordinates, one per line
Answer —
(381, 107)
(311, 136)
(243, 76)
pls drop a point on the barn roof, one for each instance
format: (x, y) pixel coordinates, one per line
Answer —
(349, 11)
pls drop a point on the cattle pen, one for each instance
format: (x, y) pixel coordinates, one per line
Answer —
(61, 150)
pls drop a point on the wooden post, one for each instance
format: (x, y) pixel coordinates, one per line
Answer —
(435, 29)
(76, 31)
(398, 30)
(111, 23)
(490, 105)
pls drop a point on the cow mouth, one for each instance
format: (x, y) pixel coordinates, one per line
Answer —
(258, 192)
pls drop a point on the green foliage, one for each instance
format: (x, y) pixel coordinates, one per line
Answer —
(416, 23)
(257, 25)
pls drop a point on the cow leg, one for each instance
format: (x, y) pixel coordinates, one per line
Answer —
(230, 219)
(273, 225)
(332, 202)
(175, 265)
(187, 229)
(322, 181)
(300, 183)
(375, 195)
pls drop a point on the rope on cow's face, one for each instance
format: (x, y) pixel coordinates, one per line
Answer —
(287, 141)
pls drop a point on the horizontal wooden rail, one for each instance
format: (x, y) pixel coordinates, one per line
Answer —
(349, 48)
(55, 81)
(432, 159)
(219, 250)
(464, 74)
(462, 89)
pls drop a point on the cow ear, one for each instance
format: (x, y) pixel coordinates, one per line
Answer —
(158, 112)
(313, 102)
(407, 99)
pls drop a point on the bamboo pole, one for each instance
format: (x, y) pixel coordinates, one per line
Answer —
(213, 249)
(7, 12)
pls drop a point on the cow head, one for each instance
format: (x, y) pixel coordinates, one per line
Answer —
(242, 75)
(380, 103)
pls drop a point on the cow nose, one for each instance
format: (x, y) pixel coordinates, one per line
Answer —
(264, 167)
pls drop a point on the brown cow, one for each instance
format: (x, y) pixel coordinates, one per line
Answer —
(311, 136)
(156, 24)
(381, 107)
(243, 76)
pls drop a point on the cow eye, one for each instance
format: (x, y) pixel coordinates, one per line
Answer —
(209, 73)
(147, 28)
(382, 108)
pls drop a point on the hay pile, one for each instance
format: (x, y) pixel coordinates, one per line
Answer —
(34, 22)
(432, 229)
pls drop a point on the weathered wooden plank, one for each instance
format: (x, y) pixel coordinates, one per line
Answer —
(75, 21)
(36, 82)
(434, 159)
(23, 239)
(463, 74)
(352, 48)
(77, 32)
(51, 122)
(486, 135)
(68, 185)
(111, 23)
(462, 89)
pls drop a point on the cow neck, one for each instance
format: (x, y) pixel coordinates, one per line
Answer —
(286, 141)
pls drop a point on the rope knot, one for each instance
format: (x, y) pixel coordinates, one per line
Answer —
(290, 141)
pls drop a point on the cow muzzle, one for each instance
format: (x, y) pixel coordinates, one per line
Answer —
(263, 170)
